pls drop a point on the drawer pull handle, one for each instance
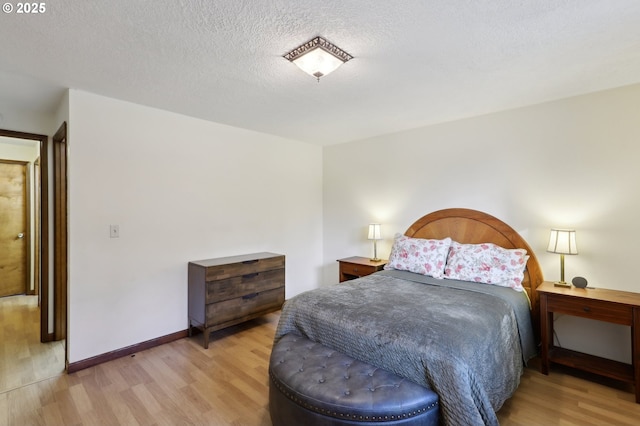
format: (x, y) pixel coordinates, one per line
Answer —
(249, 262)
(586, 309)
(249, 276)
(249, 296)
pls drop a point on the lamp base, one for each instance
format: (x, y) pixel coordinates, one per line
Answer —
(562, 284)
(375, 259)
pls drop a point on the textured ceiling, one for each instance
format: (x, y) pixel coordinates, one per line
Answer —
(417, 62)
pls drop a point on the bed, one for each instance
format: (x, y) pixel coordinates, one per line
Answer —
(467, 341)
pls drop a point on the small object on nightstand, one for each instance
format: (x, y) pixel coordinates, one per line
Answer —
(579, 282)
(356, 267)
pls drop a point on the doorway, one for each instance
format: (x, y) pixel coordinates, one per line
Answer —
(41, 268)
(26, 326)
(42, 252)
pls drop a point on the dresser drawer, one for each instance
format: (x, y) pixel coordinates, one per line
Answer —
(249, 304)
(595, 309)
(218, 291)
(252, 266)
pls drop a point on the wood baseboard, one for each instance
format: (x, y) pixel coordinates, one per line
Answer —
(72, 367)
(47, 337)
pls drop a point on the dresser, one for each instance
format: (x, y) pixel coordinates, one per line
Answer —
(618, 307)
(229, 290)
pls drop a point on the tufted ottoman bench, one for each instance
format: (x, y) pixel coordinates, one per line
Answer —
(311, 384)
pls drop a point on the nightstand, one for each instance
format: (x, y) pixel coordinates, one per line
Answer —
(356, 267)
(619, 307)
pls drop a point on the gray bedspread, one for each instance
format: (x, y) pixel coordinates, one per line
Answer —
(466, 341)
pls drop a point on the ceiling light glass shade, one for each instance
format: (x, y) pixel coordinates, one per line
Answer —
(562, 241)
(318, 57)
(318, 63)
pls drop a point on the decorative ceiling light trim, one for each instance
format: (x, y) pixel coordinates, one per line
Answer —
(318, 57)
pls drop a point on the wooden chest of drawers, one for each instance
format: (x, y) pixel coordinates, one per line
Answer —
(230, 290)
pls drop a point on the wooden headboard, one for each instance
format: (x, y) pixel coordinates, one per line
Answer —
(473, 227)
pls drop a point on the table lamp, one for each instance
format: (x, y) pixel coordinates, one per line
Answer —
(374, 234)
(562, 241)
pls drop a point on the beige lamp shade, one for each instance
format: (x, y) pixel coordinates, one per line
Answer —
(562, 241)
(374, 231)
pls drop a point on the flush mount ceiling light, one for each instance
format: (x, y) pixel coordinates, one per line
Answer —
(318, 57)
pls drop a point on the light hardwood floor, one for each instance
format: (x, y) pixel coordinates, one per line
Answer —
(181, 383)
(23, 359)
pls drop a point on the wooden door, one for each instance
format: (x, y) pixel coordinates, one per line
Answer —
(13, 228)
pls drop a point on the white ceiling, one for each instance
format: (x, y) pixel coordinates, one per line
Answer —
(417, 62)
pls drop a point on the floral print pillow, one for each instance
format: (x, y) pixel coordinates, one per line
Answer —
(426, 257)
(487, 263)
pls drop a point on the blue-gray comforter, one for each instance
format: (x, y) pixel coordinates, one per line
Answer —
(466, 341)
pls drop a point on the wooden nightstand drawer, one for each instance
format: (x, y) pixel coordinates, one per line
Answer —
(356, 267)
(357, 270)
(590, 308)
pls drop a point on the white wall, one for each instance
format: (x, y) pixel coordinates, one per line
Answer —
(572, 163)
(21, 120)
(18, 149)
(61, 114)
(180, 189)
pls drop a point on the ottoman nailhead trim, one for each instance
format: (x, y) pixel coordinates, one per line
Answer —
(320, 410)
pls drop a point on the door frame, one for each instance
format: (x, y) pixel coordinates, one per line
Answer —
(60, 238)
(43, 283)
(36, 230)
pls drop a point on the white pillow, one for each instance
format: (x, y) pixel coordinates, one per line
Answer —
(422, 256)
(487, 263)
